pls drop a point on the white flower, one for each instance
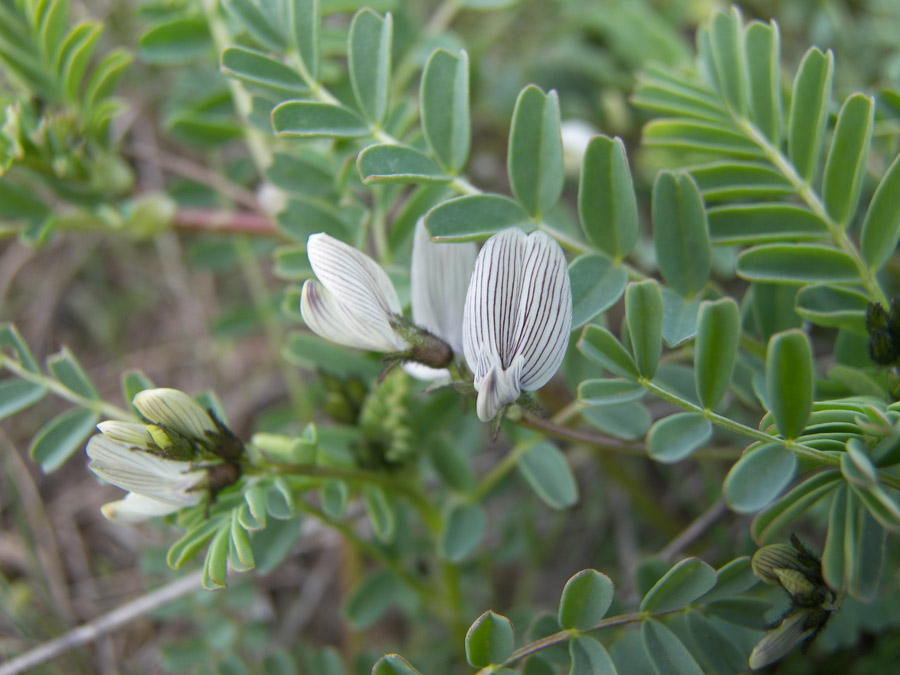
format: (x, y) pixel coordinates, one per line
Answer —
(439, 279)
(353, 302)
(156, 486)
(517, 317)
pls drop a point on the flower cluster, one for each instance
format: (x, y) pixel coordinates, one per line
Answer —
(156, 462)
(508, 309)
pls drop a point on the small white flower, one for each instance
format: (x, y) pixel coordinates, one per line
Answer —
(517, 318)
(353, 302)
(156, 486)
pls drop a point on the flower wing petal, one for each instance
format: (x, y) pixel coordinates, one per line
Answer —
(143, 473)
(545, 312)
(136, 508)
(327, 317)
(491, 310)
(439, 281)
(498, 388)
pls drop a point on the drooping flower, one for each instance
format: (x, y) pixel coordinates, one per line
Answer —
(353, 301)
(517, 318)
(155, 460)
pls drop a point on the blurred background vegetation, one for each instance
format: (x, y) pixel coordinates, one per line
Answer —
(199, 311)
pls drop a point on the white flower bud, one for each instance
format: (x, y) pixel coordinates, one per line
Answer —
(517, 317)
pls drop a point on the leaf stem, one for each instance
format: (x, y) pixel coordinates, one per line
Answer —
(103, 408)
(804, 189)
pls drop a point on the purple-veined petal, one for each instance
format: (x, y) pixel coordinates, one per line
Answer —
(439, 279)
(489, 319)
(326, 316)
(136, 508)
(545, 311)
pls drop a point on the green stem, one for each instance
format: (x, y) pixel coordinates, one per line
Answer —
(838, 234)
(102, 408)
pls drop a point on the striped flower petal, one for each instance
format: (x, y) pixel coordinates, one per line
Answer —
(144, 474)
(176, 410)
(517, 317)
(353, 301)
(439, 280)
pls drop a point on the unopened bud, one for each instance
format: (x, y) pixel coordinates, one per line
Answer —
(768, 560)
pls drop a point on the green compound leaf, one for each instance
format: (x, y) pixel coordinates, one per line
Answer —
(644, 317)
(759, 477)
(764, 223)
(609, 392)
(701, 137)
(589, 657)
(381, 513)
(680, 586)
(607, 206)
(255, 21)
(675, 437)
(104, 78)
(881, 228)
(715, 353)
(369, 61)
(845, 167)
(833, 306)
(597, 284)
(215, 565)
(726, 39)
(762, 49)
(303, 24)
(65, 368)
(17, 395)
(386, 163)
(176, 42)
(255, 67)
(790, 374)
(667, 653)
(75, 56)
(665, 94)
(601, 346)
(444, 98)
(548, 473)
(61, 437)
(680, 232)
(275, 543)
(732, 579)
(779, 514)
(796, 264)
(489, 640)
(809, 111)
(535, 157)
(374, 595)
(585, 600)
(854, 547)
(393, 664)
(311, 119)
(474, 217)
(19, 203)
(732, 180)
(191, 542)
(464, 526)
